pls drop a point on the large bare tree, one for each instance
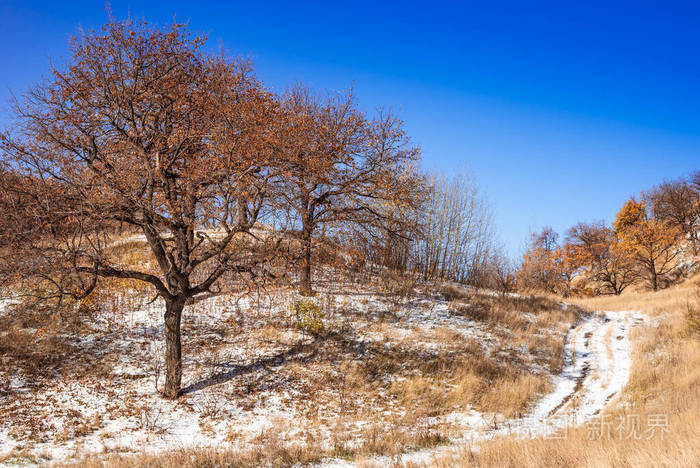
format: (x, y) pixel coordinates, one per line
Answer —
(140, 131)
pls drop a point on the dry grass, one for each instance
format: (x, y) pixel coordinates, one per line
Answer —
(665, 380)
(504, 381)
(532, 325)
(274, 454)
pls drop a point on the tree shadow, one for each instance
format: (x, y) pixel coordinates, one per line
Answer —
(376, 359)
(236, 370)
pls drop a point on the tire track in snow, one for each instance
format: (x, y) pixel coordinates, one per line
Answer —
(609, 360)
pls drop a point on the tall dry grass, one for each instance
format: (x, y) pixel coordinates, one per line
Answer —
(530, 330)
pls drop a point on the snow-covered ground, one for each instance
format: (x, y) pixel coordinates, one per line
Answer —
(249, 375)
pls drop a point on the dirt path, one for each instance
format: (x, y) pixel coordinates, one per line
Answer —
(596, 368)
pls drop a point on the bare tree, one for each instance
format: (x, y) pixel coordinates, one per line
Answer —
(678, 203)
(345, 170)
(458, 232)
(502, 273)
(142, 131)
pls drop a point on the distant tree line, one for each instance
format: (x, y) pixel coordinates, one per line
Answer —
(654, 241)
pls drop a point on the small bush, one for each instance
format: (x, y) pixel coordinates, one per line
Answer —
(309, 316)
(150, 419)
(210, 405)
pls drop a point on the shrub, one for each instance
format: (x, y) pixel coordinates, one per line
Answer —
(309, 316)
(692, 316)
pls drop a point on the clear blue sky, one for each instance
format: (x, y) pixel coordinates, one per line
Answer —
(561, 112)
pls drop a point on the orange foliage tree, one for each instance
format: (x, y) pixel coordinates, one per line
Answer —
(651, 243)
(545, 265)
(596, 250)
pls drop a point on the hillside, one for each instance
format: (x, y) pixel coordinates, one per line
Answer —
(372, 370)
(420, 380)
(653, 423)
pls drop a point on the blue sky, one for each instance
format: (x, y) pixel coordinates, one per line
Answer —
(561, 112)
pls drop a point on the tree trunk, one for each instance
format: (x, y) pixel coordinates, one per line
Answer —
(305, 280)
(173, 347)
